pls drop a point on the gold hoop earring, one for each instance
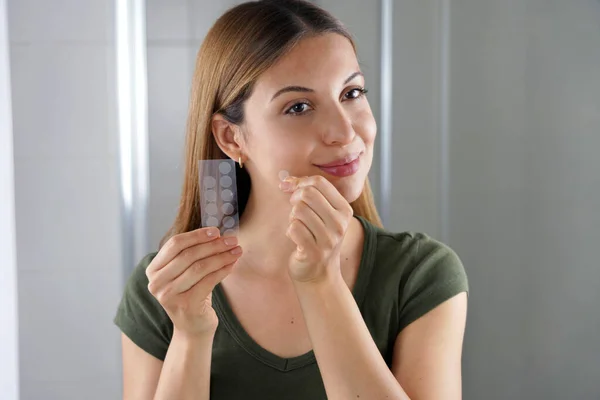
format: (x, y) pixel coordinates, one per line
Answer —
(240, 162)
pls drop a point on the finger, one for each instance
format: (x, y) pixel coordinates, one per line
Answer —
(180, 242)
(313, 222)
(301, 235)
(331, 194)
(311, 196)
(205, 286)
(191, 255)
(201, 268)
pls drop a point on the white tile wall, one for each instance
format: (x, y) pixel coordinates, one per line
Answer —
(91, 389)
(60, 97)
(67, 197)
(167, 21)
(204, 13)
(9, 319)
(65, 324)
(67, 214)
(55, 21)
(169, 82)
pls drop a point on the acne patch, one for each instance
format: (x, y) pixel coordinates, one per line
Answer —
(283, 174)
(218, 195)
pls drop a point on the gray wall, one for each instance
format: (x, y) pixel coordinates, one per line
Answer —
(415, 135)
(67, 198)
(524, 178)
(524, 194)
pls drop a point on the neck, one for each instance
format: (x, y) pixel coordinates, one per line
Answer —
(262, 234)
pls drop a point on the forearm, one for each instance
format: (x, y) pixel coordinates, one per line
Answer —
(186, 371)
(350, 363)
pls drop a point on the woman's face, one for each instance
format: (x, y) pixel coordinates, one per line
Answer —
(308, 111)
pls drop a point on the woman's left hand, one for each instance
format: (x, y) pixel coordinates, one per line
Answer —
(318, 223)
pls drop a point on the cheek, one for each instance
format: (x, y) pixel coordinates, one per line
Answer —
(280, 150)
(283, 145)
(366, 127)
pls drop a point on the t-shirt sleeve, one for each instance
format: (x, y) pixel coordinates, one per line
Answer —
(141, 317)
(436, 274)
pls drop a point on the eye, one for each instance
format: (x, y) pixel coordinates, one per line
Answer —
(356, 93)
(297, 109)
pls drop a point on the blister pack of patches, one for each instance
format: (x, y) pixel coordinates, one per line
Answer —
(218, 195)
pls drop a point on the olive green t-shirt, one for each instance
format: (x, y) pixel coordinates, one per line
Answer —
(401, 277)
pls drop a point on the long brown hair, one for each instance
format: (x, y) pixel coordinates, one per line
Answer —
(241, 45)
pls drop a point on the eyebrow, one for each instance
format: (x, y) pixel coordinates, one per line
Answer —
(305, 89)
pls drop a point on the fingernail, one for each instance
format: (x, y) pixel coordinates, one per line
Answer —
(212, 232)
(230, 241)
(285, 185)
(237, 250)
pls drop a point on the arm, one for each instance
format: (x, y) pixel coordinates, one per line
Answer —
(185, 373)
(427, 353)
(140, 371)
(166, 311)
(350, 363)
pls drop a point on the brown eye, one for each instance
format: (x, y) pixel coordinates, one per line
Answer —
(297, 109)
(356, 93)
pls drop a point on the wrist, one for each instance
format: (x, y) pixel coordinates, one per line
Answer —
(194, 339)
(321, 284)
(323, 274)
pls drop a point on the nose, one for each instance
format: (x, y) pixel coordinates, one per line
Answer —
(337, 128)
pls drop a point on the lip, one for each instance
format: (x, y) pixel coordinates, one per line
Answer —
(346, 166)
(341, 161)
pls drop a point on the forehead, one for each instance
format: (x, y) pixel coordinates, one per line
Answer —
(327, 58)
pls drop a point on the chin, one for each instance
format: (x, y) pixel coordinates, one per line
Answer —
(352, 189)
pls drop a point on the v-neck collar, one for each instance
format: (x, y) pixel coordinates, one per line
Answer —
(236, 330)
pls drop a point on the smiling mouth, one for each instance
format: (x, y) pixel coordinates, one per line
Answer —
(343, 167)
(341, 161)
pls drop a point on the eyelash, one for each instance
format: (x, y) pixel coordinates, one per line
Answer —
(363, 91)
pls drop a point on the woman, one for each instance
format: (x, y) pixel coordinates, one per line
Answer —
(313, 299)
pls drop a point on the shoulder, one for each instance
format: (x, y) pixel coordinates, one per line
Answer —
(140, 316)
(137, 282)
(415, 253)
(138, 275)
(414, 270)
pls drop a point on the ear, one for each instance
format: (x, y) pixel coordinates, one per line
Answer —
(228, 137)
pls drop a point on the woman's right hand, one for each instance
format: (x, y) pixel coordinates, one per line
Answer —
(184, 273)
